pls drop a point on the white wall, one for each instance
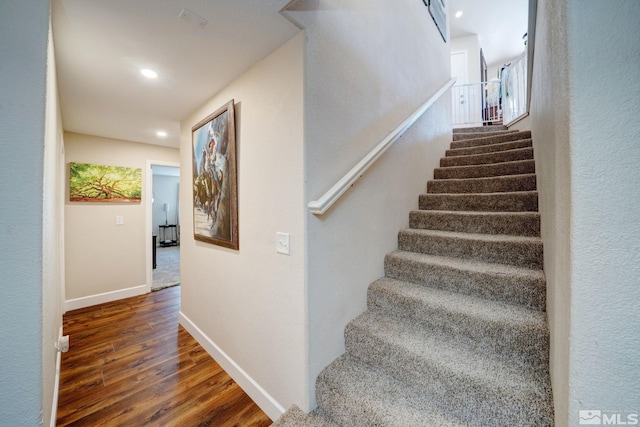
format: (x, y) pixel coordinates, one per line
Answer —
(104, 261)
(367, 67)
(23, 79)
(586, 67)
(247, 307)
(604, 76)
(53, 242)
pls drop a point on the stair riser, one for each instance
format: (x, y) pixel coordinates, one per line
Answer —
(483, 171)
(483, 185)
(475, 135)
(526, 290)
(516, 224)
(490, 158)
(526, 254)
(501, 202)
(464, 396)
(512, 136)
(492, 148)
(524, 343)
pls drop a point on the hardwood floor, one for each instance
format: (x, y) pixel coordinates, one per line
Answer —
(131, 364)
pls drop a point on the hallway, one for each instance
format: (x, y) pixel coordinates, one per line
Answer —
(130, 363)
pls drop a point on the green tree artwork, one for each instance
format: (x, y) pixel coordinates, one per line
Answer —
(98, 183)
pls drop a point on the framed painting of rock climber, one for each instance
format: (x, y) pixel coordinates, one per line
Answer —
(215, 191)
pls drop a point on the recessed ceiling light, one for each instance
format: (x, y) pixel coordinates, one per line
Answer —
(150, 74)
(458, 14)
(161, 134)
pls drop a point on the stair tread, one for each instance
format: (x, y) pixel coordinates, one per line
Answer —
(488, 165)
(512, 331)
(491, 148)
(477, 308)
(475, 236)
(489, 140)
(471, 265)
(488, 178)
(360, 395)
(468, 382)
(480, 185)
(525, 251)
(486, 222)
(499, 282)
(507, 201)
(488, 170)
(495, 193)
(494, 157)
(458, 136)
(479, 213)
(488, 128)
(447, 353)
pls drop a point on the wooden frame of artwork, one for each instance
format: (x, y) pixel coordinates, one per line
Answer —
(215, 190)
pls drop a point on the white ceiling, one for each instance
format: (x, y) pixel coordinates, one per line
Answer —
(101, 45)
(499, 24)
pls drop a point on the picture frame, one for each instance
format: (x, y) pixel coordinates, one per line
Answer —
(437, 10)
(89, 182)
(215, 190)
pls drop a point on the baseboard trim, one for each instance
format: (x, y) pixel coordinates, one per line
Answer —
(56, 385)
(263, 399)
(74, 304)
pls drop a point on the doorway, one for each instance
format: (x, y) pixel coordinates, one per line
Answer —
(165, 226)
(460, 93)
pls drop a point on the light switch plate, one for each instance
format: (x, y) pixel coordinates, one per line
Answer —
(282, 243)
(119, 220)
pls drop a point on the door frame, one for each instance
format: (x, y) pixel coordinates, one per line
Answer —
(148, 220)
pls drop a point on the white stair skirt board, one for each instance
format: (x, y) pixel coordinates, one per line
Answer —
(74, 304)
(259, 395)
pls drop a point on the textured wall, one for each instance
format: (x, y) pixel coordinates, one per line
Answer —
(585, 129)
(604, 76)
(23, 49)
(53, 240)
(550, 129)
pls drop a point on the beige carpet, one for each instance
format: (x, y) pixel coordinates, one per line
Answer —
(167, 271)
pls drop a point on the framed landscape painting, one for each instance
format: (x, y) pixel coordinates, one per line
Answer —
(215, 192)
(100, 183)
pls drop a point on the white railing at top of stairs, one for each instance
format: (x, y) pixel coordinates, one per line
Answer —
(320, 206)
(477, 104)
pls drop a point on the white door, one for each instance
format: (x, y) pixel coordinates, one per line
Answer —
(466, 96)
(459, 93)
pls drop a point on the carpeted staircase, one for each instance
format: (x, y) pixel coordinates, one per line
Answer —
(456, 332)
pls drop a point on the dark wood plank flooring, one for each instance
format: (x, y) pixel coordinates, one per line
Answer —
(131, 364)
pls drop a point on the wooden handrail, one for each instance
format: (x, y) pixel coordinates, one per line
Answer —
(320, 206)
